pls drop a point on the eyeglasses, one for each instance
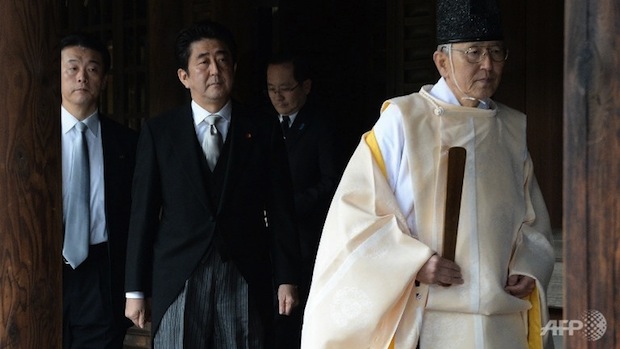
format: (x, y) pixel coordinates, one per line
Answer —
(475, 54)
(281, 90)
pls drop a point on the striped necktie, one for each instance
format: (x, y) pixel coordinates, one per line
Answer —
(212, 141)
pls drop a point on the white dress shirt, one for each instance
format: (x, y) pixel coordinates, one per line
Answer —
(98, 229)
(199, 114)
(291, 118)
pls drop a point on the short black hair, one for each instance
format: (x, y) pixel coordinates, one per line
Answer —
(202, 30)
(301, 66)
(90, 42)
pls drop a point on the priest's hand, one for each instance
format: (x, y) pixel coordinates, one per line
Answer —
(440, 271)
(288, 298)
(520, 285)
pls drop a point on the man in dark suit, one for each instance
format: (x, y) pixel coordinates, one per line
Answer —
(315, 160)
(96, 215)
(212, 223)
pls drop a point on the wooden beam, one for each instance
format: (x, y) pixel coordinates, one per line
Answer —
(592, 170)
(30, 184)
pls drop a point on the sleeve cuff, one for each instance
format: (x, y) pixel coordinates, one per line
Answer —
(134, 295)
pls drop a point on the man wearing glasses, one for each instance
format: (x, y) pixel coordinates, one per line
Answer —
(380, 278)
(314, 154)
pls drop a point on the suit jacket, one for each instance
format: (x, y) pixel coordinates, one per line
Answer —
(174, 222)
(119, 154)
(316, 161)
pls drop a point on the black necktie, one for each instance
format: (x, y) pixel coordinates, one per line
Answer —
(284, 125)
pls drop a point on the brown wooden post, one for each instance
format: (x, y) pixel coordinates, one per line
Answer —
(30, 192)
(592, 171)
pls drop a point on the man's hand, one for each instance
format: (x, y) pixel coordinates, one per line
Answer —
(440, 271)
(520, 286)
(288, 298)
(138, 311)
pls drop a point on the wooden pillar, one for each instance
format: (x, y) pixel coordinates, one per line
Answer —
(30, 192)
(592, 171)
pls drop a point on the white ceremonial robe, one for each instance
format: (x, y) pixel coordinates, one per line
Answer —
(376, 238)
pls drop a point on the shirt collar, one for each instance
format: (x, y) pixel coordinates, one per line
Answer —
(290, 116)
(199, 113)
(68, 121)
(442, 91)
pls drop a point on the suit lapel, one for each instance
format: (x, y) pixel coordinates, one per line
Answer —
(112, 153)
(298, 128)
(240, 136)
(185, 144)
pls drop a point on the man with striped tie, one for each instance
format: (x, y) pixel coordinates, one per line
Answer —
(209, 176)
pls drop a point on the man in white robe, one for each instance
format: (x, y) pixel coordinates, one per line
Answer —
(379, 279)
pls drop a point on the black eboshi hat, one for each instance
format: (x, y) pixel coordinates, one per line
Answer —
(468, 21)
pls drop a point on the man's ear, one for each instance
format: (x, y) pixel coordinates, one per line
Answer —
(182, 74)
(307, 86)
(104, 82)
(442, 63)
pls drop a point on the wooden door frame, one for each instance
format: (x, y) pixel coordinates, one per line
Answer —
(592, 169)
(30, 176)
